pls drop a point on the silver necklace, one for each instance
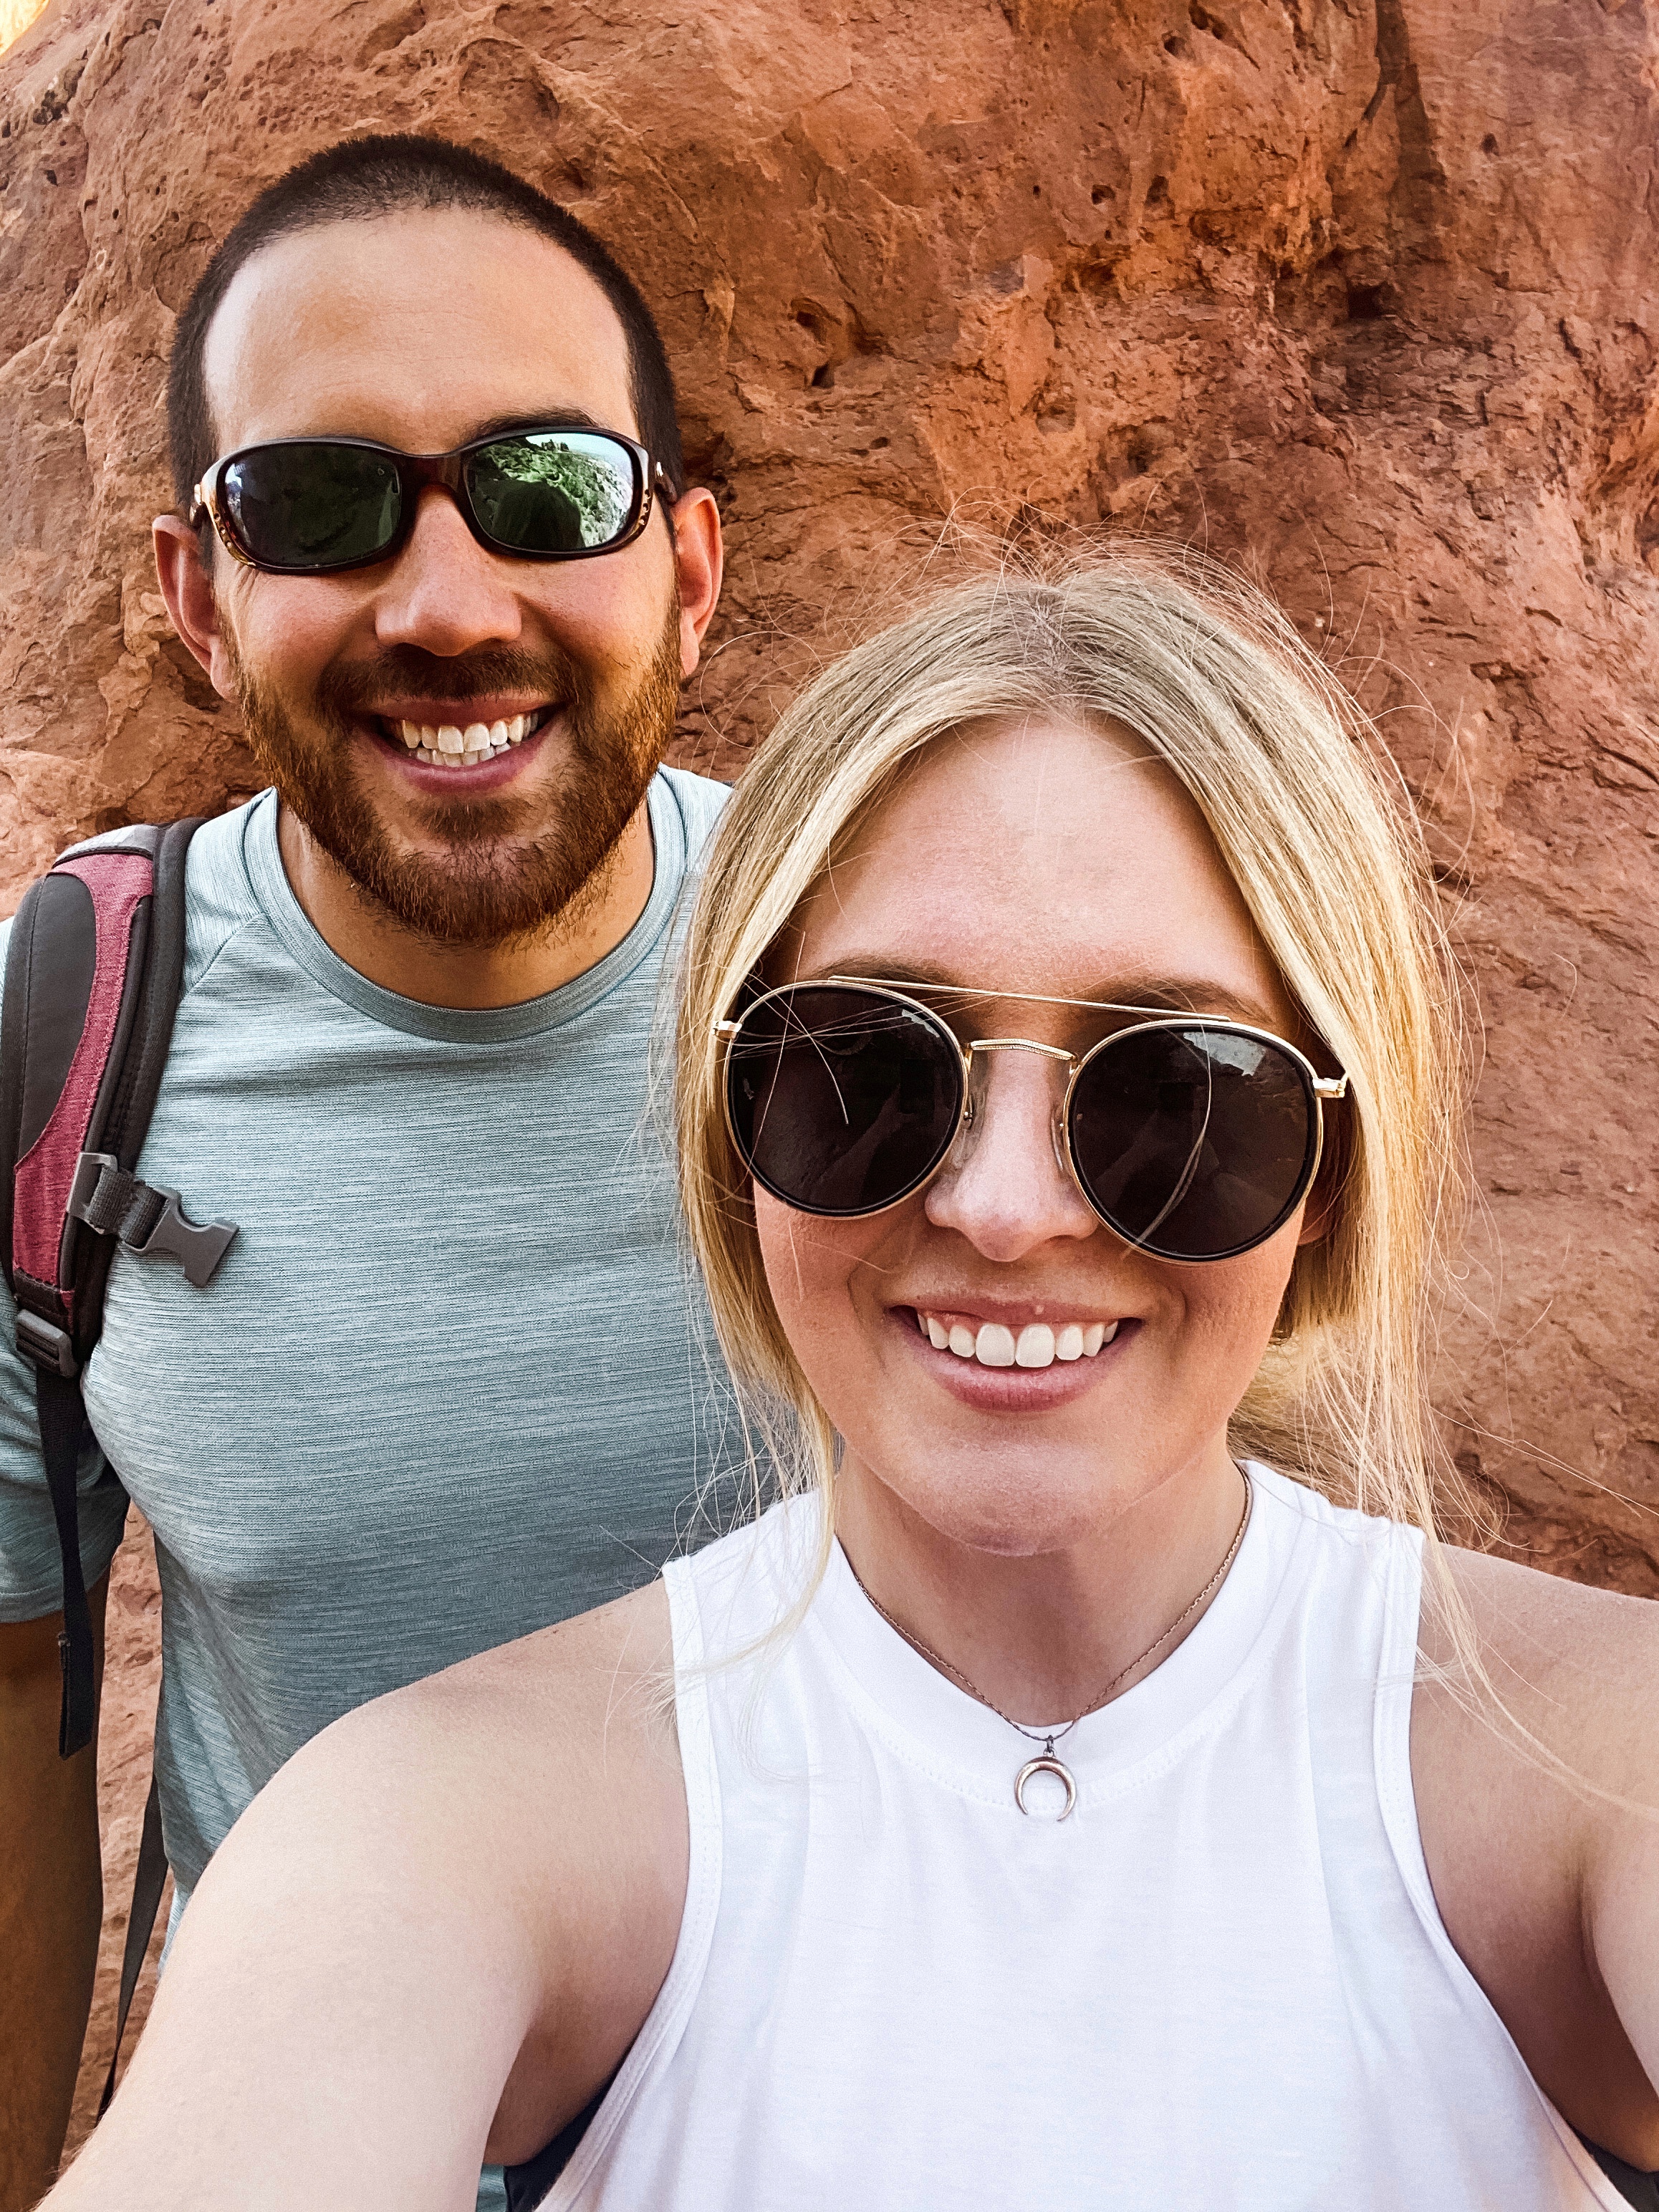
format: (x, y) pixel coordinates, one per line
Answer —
(1046, 1762)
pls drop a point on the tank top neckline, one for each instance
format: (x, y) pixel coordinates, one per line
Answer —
(935, 1726)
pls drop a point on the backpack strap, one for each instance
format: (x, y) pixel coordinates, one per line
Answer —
(149, 1881)
(94, 972)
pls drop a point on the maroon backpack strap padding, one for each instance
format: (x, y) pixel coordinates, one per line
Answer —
(92, 979)
(94, 972)
(77, 946)
(119, 883)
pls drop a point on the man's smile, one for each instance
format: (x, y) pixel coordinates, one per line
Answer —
(454, 734)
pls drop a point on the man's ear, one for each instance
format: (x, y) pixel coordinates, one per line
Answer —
(188, 590)
(699, 562)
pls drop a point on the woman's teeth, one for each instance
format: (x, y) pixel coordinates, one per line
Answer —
(1036, 1345)
(449, 746)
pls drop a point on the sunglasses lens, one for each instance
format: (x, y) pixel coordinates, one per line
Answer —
(841, 1101)
(1195, 1143)
(555, 491)
(311, 505)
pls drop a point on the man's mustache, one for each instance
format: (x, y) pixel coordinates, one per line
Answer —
(408, 671)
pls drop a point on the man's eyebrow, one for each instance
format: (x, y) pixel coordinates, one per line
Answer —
(546, 418)
(1184, 994)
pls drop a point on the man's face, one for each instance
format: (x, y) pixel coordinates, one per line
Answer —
(423, 331)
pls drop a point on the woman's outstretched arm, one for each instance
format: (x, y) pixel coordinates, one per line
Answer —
(429, 1940)
(1548, 1876)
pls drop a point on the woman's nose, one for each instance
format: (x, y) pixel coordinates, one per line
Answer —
(1004, 1188)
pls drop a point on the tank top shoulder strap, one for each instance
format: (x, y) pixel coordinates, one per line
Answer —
(690, 1583)
(1359, 1576)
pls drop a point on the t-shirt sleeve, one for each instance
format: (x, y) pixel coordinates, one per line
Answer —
(31, 1569)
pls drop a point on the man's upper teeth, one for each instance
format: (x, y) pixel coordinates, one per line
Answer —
(446, 744)
(1036, 1345)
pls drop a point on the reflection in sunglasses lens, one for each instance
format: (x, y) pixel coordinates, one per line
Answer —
(294, 505)
(841, 1101)
(1194, 1142)
(553, 491)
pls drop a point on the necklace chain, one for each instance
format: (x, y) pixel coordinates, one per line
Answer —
(1050, 1737)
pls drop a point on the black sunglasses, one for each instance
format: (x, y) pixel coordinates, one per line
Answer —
(1192, 1139)
(308, 506)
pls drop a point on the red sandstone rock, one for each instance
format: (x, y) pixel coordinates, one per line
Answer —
(1359, 294)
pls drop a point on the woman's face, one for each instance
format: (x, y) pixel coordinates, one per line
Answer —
(1027, 856)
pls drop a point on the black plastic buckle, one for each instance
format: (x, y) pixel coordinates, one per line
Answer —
(197, 1246)
(89, 1170)
(147, 1217)
(46, 1346)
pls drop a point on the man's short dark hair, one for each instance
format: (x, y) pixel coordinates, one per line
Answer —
(361, 178)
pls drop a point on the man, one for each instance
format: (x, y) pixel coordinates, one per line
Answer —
(449, 1383)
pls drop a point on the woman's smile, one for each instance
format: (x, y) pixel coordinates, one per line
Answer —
(1013, 1340)
(1002, 1360)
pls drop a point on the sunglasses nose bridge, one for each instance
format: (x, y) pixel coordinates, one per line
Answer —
(978, 1055)
(999, 1186)
(415, 472)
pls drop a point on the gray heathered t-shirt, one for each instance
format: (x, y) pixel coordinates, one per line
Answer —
(452, 1381)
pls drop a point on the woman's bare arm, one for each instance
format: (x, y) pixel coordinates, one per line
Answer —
(1551, 1892)
(430, 1939)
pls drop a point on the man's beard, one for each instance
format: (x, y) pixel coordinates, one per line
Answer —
(511, 865)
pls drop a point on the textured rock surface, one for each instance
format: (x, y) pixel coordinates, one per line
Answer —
(1360, 294)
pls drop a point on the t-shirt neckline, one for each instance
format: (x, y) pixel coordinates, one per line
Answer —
(274, 894)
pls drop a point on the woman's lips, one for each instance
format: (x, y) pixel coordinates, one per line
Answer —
(1003, 1383)
(995, 1344)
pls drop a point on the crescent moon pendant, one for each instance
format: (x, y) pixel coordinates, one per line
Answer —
(1046, 1765)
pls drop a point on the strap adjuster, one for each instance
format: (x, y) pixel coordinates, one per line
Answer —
(43, 1344)
(146, 1218)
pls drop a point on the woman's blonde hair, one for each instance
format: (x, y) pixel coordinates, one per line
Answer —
(1321, 843)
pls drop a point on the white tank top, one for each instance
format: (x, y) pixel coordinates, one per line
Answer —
(1223, 1982)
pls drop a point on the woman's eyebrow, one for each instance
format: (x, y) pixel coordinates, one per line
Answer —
(1189, 994)
(880, 968)
(1185, 995)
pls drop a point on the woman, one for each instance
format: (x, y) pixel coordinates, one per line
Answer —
(1036, 1806)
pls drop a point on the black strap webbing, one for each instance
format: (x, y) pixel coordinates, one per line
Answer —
(121, 1206)
(148, 1884)
(63, 1423)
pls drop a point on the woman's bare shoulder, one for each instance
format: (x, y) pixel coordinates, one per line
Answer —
(588, 1698)
(611, 1670)
(1577, 1667)
(1536, 1805)
(541, 1758)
